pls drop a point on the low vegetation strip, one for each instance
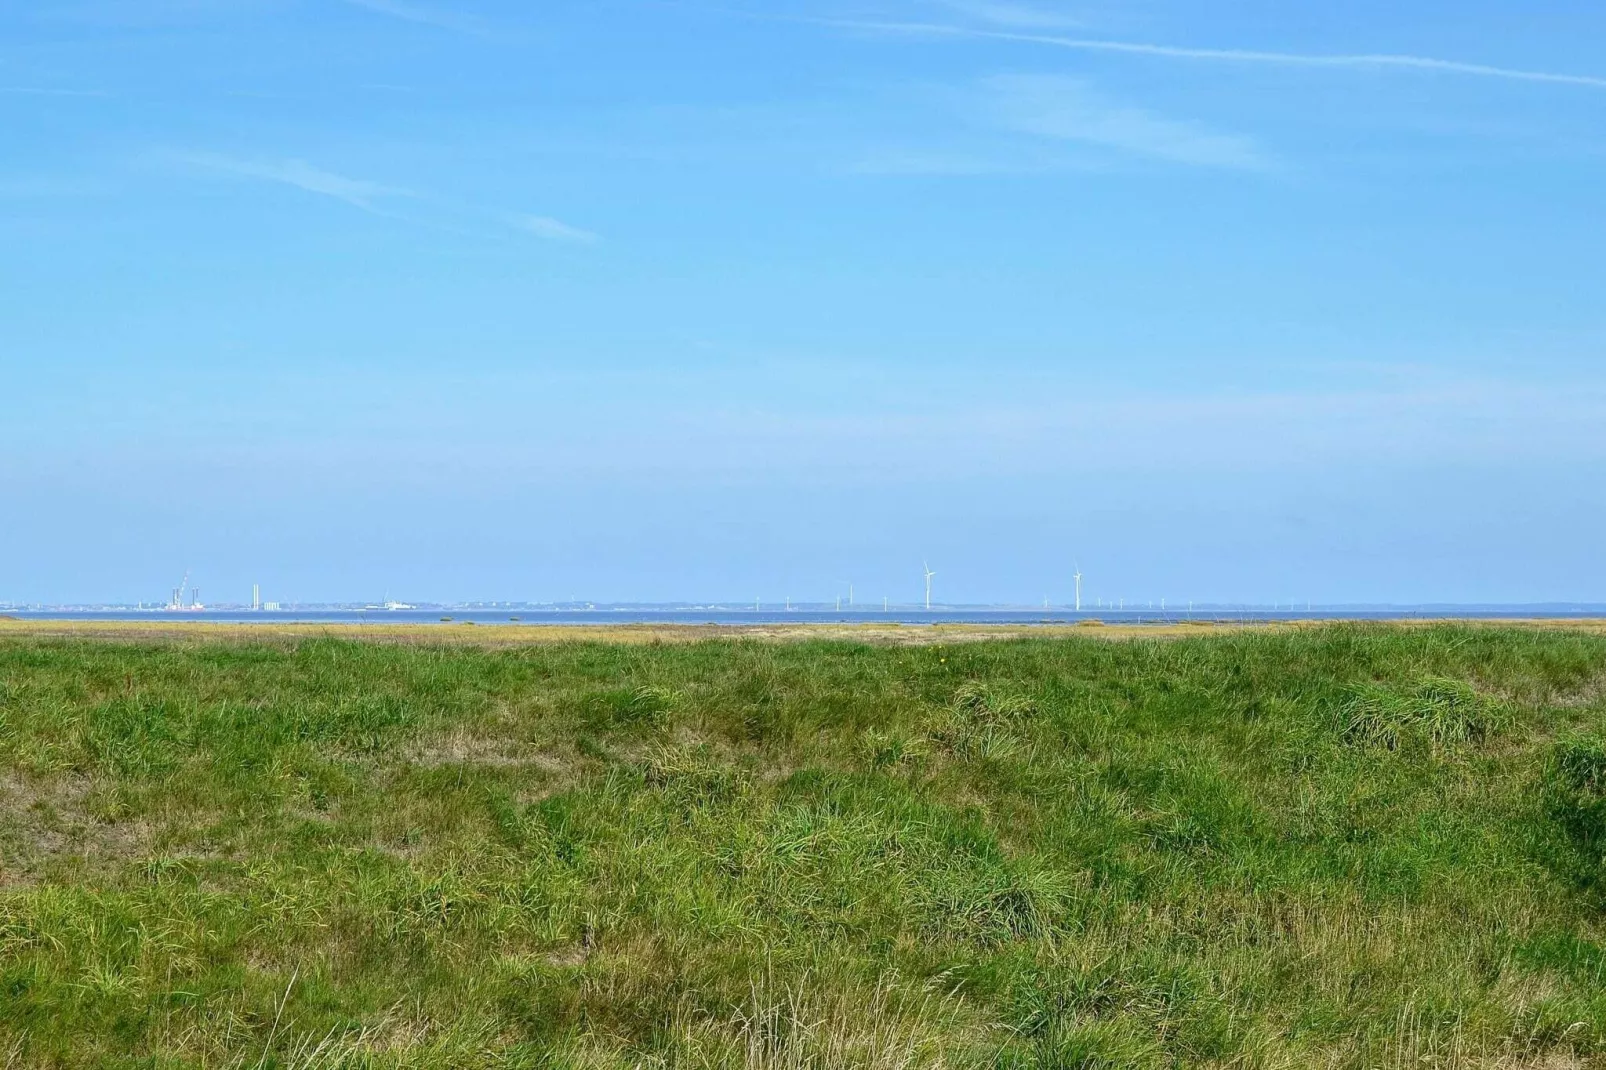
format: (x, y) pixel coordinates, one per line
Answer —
(514, 633)
(1340, 846)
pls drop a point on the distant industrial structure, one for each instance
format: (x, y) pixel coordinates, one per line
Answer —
(186, 599)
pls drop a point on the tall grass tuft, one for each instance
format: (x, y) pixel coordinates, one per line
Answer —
(1444, 713)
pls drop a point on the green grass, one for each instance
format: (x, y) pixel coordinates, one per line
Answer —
(1347, 847)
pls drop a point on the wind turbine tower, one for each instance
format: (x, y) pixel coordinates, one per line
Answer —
(927, 566)
(1078, 578)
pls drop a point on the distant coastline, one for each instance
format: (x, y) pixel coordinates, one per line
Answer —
(894, 633)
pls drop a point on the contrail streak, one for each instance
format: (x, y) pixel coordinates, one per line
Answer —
(1231, 55)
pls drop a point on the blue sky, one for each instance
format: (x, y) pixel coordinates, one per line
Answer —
(678, 300)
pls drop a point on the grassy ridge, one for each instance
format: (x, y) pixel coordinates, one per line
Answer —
(1347, 846)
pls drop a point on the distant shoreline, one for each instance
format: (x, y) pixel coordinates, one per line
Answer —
(879, 633)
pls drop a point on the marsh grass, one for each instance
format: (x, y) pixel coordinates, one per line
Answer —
(1443, 713)
(1345, 847)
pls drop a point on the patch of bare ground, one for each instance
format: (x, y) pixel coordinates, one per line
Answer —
(1557, 1060)
(570, 957)
(1588, 695)
(466, 748)
(48, 820)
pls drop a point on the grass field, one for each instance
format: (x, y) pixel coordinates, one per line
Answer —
(1340, 846)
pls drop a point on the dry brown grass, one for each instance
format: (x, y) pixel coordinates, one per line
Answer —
(58, 819)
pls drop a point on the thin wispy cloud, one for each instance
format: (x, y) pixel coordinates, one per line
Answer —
(1453, 420)
(37, 91)
(301, 175)
(1005, 13)
(896, 162)
(383, 199)
(421, 14)
(1067, 109)
(1374, 61)
(553, 229)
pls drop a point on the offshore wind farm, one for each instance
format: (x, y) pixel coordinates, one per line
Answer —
(841, 606)
(185, 604)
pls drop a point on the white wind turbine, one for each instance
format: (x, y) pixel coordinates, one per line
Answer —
(1078, 588)
(927, 566)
